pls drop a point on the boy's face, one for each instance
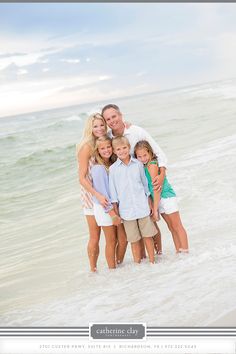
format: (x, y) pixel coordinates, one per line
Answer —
(122, 151)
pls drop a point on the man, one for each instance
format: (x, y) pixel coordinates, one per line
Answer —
(114, 119)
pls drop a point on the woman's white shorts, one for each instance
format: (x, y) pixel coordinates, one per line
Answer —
(102, 218)
(88, 211)
(168, 205)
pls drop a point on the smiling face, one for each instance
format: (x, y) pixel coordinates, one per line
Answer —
(105, 149)
(113, 119)
(143, 155)
(99, 128)
(122, 151)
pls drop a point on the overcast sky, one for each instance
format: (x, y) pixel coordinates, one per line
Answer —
(58, 54)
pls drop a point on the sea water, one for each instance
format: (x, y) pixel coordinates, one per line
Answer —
(44, 270)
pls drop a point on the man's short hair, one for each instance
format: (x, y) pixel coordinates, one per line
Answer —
(120, 140)
(110, 105)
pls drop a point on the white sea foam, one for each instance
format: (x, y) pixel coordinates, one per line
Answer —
(72, 118)
(224, 90)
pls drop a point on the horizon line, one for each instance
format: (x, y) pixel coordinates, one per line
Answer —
(118, 97)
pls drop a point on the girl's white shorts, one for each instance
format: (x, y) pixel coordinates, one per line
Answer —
(102, 218)
(168, 205)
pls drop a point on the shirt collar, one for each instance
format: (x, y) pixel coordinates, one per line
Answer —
(119, 162)
(126, 132)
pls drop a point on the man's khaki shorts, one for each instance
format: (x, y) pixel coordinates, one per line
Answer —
(136, 229)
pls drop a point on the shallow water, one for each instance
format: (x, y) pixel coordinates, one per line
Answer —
(44, 267)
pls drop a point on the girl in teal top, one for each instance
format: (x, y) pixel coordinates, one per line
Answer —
(164, 201)
(166, 191)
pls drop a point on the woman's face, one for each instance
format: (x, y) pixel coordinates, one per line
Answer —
(105, 149)
(99, 128)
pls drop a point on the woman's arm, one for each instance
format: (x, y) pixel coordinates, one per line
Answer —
(101, 185)
(159, 179)
(83, 157)
(161, 158)
(153, 171)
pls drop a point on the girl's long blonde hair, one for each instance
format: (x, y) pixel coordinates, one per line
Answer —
(88, 137)
(98, 159)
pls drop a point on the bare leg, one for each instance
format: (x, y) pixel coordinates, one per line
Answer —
(174, 235)
(179, 234)
(121, 243)
(136, 251)
(142, 249)
(149, 244)
(110, 250)
(93, 243)
(157, 240)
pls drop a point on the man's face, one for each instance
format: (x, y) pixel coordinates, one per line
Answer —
(113, 118)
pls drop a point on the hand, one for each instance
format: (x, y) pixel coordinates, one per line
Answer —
(157, 183)
(116, 220)
(127, 125)
(155, 216)
(102, 200)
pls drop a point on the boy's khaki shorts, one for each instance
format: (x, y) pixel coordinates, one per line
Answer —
(136, 229)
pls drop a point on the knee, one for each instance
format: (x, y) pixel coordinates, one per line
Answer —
(171, 228)
(177, 228)
(123, 243)
(112, 242)
(94, 243)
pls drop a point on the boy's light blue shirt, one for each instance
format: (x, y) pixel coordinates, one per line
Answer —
(129, 188)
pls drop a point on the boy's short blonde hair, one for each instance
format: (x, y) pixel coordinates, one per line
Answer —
(120, 140)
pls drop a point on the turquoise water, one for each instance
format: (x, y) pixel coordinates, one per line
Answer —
(44, 268)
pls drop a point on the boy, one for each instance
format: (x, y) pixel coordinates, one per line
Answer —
(131, 197)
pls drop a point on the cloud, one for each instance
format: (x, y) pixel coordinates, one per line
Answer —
(22, 71)
(31, 95)
(141, 73)
(144, 47)
(22, 60)
(31, 49)
(71, 61)
(104, 77)
(7, 55)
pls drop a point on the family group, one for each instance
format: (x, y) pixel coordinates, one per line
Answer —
(124, 190)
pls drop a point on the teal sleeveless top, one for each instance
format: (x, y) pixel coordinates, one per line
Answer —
(167, 190)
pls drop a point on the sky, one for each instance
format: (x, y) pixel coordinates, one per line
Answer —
(60, 54)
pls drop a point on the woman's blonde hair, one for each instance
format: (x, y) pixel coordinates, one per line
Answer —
(144, 144)
(88, 136)
(96, 154)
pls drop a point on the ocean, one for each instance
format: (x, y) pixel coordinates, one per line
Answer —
(44, 270)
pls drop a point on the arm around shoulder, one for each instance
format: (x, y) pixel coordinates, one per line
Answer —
(162, 160)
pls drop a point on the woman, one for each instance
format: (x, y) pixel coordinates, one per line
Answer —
(95, 127)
